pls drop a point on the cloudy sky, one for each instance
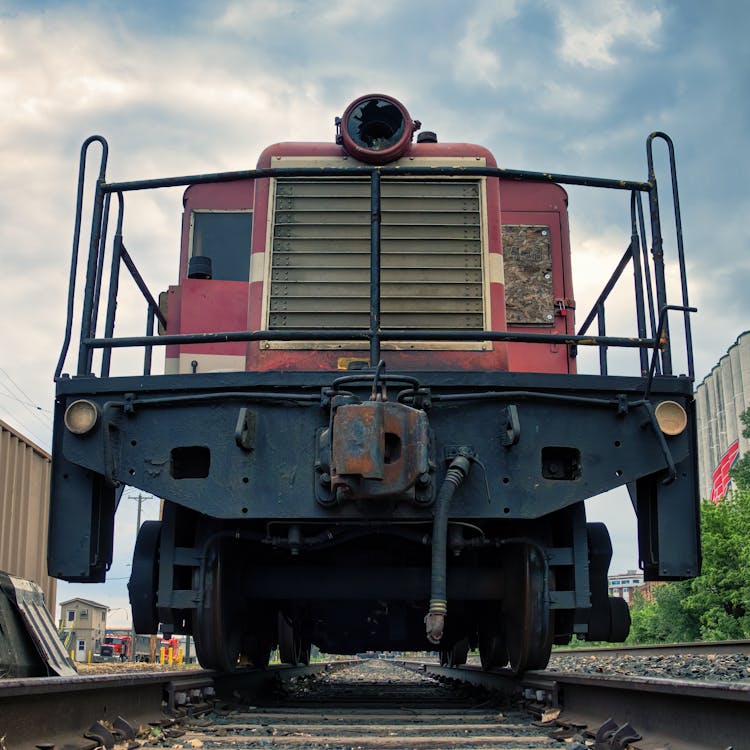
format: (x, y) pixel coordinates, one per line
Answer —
(186, 87)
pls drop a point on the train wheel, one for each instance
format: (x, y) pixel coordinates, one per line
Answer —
(619, 619)
(258, 644)
(292, 649)
(493, 651)
(306, 652)
(144, 578)
(217, 622)
(460, 652)
(528, 627)
(456, 655)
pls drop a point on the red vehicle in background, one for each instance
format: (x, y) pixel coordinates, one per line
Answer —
(117, 647)
(146, 648)
(173, 643)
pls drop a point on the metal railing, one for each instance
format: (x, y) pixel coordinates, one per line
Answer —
(651, 308)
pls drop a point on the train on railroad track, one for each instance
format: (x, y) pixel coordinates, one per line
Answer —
(370, 432)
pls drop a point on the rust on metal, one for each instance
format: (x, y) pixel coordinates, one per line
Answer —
(359, 440)
(527, 259)
(378, 449)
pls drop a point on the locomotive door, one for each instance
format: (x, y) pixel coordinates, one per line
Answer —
(538, 293)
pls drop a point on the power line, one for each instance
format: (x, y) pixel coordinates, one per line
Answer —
(28, 404)
(46, 425)
(7, 394)
(18, 387)
(40, 415)
(22, 427)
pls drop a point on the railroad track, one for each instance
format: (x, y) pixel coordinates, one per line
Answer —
(663, 713)
(695, 647)
(374, 703)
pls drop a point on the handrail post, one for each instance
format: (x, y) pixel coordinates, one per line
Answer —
(76, 241)
(640, 311)
(680, 243)
(114, 284)
(602, 326)
(375, 226)
(646, 269)
(148, 349)
(657, 252)
(100, 264)
(85, 354)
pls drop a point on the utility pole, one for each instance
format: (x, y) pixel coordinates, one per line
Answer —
(139, 498)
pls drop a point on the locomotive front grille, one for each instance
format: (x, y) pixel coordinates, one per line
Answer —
(431, 254)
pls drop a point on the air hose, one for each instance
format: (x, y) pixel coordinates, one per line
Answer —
(435, 618)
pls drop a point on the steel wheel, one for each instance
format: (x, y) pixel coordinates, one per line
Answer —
(258, 644)
(217, 634)
(292, 649)
(493, 651)
(456, 655)
(144, 579)
(459, 652)
(528, 628)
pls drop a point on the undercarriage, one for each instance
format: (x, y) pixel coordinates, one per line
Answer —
(366, 587)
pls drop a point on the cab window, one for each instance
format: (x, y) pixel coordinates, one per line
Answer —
(223, 236)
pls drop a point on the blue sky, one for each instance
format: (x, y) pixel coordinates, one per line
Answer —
(188, 87)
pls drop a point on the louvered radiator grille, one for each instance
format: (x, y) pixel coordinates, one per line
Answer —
(431, 254)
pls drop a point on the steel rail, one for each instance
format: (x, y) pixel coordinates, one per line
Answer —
(686, 714)
(58, 711)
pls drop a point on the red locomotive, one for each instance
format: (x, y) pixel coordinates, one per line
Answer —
(370, 433)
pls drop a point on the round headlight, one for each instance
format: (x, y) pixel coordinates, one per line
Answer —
(671, 417)
(376, 129)
(81, 416)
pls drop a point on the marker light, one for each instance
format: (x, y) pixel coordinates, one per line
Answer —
(376, 129)
(81, 416)
(671, 417)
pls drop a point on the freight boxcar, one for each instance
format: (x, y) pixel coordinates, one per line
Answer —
(24, 506)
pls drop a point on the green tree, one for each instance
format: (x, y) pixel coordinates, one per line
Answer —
(663, 618)
(720, 597)
(716, 605)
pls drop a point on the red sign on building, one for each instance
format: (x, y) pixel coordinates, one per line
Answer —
(721, 479)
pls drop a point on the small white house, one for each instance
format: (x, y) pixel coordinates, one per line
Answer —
(83, 624)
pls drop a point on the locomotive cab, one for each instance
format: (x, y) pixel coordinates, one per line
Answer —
(371, 433)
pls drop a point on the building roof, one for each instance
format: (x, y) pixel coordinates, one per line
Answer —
(5, 426)
(85, 601)
(726, 354)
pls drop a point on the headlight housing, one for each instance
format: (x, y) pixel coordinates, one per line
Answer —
(671, 417)
(81, 416)
(376, 129)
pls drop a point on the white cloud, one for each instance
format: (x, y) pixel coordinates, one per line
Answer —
(592, 30)
(259, 17)
(247, 17)
(357, 11)
(477, 60)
